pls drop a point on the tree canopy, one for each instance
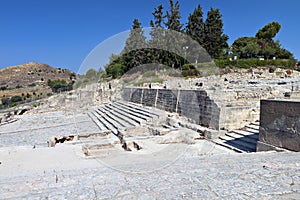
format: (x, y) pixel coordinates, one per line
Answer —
(206, 31)
(262, 45)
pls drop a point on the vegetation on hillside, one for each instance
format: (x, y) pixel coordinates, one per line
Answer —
(262, 45)
(137, 49)
(207, 31)
(32, 81)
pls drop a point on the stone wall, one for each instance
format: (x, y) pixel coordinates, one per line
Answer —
(193, 104)
(279, 125)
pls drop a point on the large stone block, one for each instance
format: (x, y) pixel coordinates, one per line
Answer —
(193, 104)
(280, 123)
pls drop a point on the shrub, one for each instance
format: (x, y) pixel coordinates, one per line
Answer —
(5, 101)
(3, 88)
(60, 85)
(16, 98)
(28, 95)
(189, 70)
(248, 63)
(272, 69)
(115, 70)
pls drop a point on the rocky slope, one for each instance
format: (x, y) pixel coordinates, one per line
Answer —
(30, 78)
(30, 73)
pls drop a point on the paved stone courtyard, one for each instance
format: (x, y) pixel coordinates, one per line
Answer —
(218, 176)
(198, 171)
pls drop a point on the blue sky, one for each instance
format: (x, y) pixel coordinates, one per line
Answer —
(62, 33)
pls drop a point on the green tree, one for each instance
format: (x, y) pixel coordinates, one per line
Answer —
(115, 70)
(195, 25)
(133, 53)
(158, 17)
(173, 17)
(251, 49)
(5, 101)
(136, 39)
(15, 98)
(214, 40)
(91, 74)
(246, 47)
(268, 51)
(269, 31)
(195, 29)
(157, 31)
(173, 42)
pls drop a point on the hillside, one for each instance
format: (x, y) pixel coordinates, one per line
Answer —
(30, 79)
(26, 74)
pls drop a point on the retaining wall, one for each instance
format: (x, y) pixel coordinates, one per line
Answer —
(279, 125)
(193, 104)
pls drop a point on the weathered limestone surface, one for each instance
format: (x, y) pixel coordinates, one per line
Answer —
(229, 102)
(280, 124)
(221, 176)
(193, 104)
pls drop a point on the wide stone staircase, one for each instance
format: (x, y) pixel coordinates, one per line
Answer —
(118, 115)
(243, 140)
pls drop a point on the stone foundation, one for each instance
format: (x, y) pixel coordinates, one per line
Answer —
(193, 104)
(280, 124)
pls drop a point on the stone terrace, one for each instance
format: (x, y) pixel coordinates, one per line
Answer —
(191, 176)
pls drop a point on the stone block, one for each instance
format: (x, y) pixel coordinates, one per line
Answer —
(280, 123)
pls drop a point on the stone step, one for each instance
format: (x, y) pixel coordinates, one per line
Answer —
(109, 118)
(136, 110)
(247, 139)
(126, 117)
(256, 127)
(156, 113)
(221, 142)
(102, 134)
(255, 123)
(104, 121)
(132, 113)
(97, 121)
(99, 147)
(254, 131)
(115, 117)
(238, 143)
(245, 133)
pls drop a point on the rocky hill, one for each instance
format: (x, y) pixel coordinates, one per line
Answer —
(32, 73)
(31, 79)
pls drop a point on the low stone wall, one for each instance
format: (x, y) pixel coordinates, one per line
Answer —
(279, 125)
(193, 104)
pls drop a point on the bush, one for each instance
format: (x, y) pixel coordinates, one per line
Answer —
(272, 69)
(60, 85)
(28, 95)
(249, 63)
(5, 101)
(32, 85)
(3, 88)
(16, 98)
(189, 70)
(115, 70)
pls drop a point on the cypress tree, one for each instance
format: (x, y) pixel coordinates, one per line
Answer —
(133, 53)
(157, 36)
(195, 25)
(173, 42)
(214, 40)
